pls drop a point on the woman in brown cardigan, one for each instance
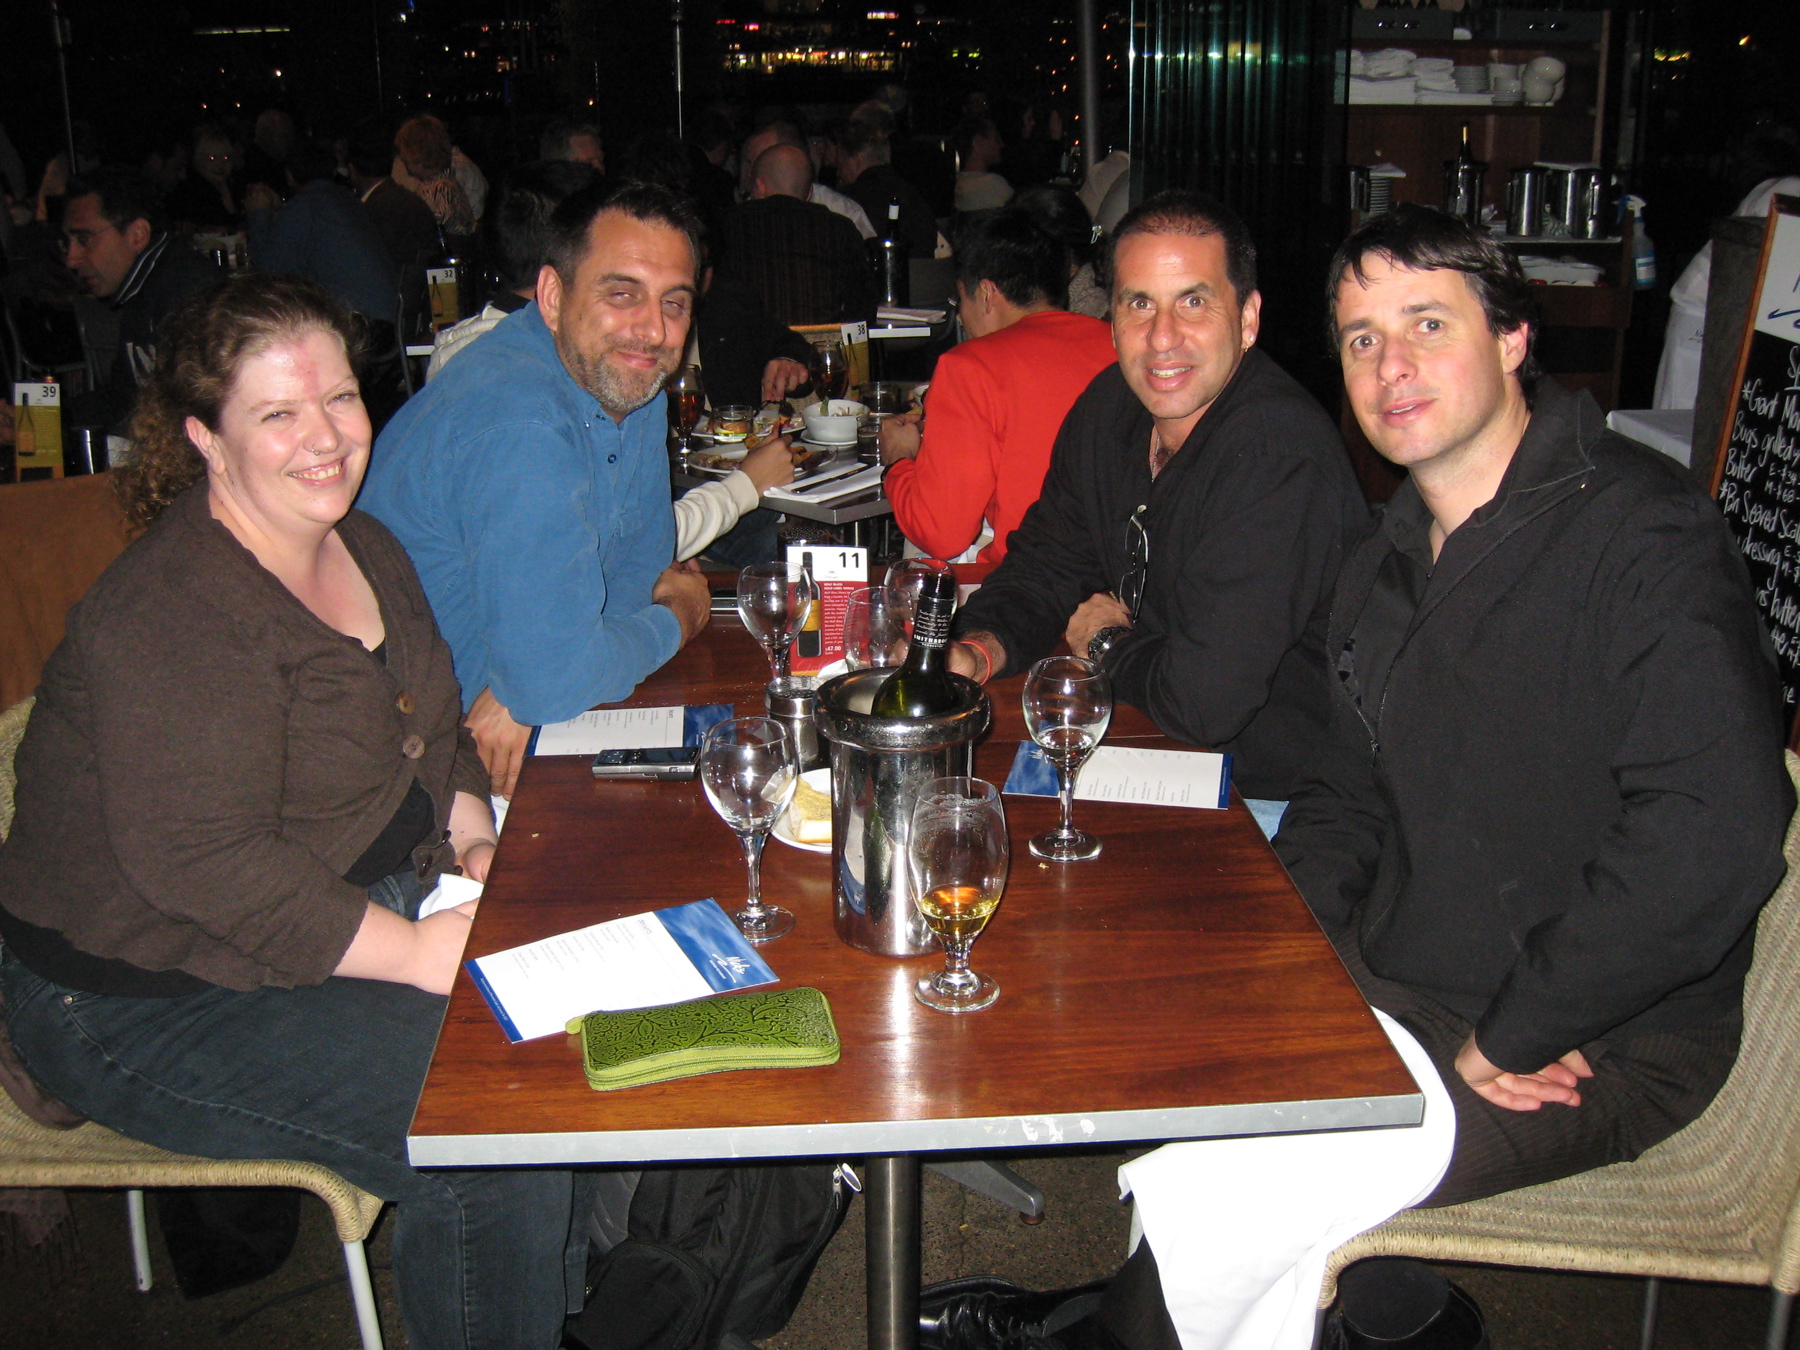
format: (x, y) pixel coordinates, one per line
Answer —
(244, 768)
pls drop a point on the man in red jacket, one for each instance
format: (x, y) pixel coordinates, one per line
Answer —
(998, 400)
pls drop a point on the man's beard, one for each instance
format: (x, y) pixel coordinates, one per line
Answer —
(618, 393)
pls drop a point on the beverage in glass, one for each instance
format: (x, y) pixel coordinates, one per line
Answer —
(1067, 702)
(687, 400)
(959, 855)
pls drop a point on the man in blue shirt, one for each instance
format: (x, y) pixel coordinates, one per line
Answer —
(530, 484)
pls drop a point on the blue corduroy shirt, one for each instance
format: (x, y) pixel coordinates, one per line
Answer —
(538, 525)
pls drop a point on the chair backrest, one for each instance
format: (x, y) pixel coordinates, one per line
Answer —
(1744, 1151)
(12, 731)
(56, 537)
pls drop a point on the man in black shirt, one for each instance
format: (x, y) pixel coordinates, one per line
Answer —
(1196, 508)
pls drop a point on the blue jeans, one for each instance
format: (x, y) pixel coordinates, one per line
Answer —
(327, 1074)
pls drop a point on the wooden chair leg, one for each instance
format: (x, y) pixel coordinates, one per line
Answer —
(1652, 1293)
(140, 1239)
(362, 1293)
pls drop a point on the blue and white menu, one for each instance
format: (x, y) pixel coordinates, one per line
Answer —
(640, 961)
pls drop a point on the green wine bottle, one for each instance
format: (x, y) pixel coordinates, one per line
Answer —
(922, 686)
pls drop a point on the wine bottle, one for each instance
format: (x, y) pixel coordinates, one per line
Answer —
(922, 685)
(811, 641)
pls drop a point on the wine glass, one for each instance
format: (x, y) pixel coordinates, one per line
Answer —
(909, 575)
(775, 599)
(748, 769)
(958, 850)
(831, 370)
(1068, 702)
(876, 623)
(687, 399)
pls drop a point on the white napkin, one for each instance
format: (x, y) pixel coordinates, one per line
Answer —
(842, 487)
(451, 891)
(1241, 1228)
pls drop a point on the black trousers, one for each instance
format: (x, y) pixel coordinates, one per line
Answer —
(1643, 1090)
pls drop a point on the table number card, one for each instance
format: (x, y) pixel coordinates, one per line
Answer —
(37, 428)
(1119, 773)
(840, 572)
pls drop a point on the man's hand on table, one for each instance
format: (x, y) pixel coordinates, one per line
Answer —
(976, 655)
(1555, 1082)
(1098, 611)
(900, 436)
(682, 588)
(781, 377)
(770, 464)
(499, 740)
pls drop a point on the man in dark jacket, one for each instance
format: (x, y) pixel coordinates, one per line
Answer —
(120, 249)
(1553, 800)
(1196, 509)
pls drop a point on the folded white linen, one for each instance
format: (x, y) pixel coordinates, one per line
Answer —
(1389, 61)
(1241, 1228)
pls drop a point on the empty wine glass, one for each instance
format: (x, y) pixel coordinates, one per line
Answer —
(747, 767)
(775, 599)
(909, 575)
(1068, 702)
(687, 400)
(876, 623)
(959, 854)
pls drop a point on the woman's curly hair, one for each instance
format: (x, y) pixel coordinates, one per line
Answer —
(199, 350)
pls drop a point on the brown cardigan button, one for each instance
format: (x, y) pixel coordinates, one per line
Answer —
(413, 747)
(404, 703)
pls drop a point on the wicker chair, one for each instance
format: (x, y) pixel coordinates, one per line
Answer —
(92, 1156)
(1720, 1200)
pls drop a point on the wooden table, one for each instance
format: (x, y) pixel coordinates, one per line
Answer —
(1174, 988)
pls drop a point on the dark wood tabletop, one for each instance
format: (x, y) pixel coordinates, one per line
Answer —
(1175, 987)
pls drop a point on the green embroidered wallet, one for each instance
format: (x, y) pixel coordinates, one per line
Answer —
(757, 1029)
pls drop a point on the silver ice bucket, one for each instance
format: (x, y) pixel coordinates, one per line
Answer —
(878, 766)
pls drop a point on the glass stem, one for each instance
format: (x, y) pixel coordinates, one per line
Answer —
(781, 658)
(753, 847)
(1065, 790)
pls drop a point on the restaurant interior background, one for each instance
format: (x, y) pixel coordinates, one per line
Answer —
(1240, 97)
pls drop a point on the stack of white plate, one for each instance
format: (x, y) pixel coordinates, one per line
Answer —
(1471, 79)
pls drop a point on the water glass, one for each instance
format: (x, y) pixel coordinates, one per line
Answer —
(775, 599)
(748, 769)
(1068, 703)
(877, 627)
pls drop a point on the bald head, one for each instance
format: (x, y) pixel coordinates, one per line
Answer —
(781, 171)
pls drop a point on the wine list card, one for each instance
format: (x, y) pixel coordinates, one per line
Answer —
(640, 961)
(628, 729)
(1119, 773)
(840, 572)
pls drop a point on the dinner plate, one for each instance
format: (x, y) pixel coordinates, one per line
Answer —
(819, 780)
(828, 445)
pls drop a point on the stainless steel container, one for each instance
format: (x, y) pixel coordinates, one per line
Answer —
(1524, 202)
(1462, 188)
(1577, 204)
(878, 766)
(791, 701)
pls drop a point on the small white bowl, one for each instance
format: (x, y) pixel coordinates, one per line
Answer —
(834, 423)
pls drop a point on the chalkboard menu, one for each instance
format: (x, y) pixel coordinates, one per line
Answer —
(1757, 480)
